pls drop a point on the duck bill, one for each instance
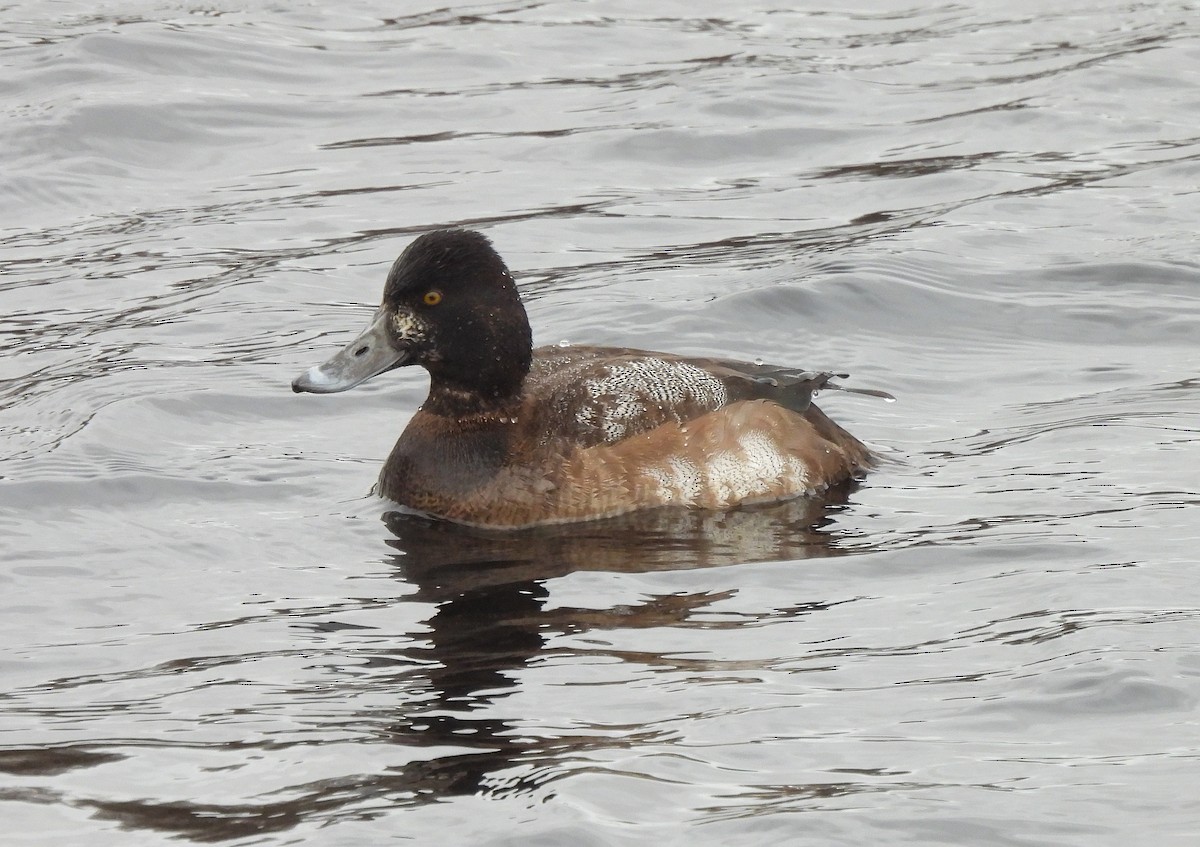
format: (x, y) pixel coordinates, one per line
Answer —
(374, 351)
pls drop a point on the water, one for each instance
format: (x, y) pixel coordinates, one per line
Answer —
(213, 634)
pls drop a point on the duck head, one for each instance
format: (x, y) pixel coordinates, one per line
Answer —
(449, 305)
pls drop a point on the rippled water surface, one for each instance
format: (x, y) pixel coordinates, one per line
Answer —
(213, 634)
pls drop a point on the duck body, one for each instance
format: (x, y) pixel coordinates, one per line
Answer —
(512, 437)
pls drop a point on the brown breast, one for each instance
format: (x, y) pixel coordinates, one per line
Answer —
(518, 473)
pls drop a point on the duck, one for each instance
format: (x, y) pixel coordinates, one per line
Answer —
(512, 436)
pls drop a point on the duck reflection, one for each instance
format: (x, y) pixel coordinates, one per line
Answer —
(491, 621)
(444, 559)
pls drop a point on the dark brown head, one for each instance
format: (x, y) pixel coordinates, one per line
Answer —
(451, 306)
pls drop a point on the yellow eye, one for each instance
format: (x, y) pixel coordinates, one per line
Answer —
(432, 298)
